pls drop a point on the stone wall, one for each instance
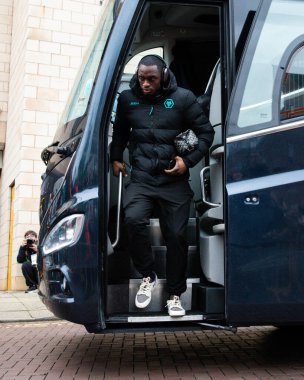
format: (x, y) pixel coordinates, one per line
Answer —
(42, 44)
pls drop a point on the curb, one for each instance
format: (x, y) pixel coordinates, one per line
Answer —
(23, 320)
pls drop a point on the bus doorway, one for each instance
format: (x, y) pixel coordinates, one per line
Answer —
(189, 38)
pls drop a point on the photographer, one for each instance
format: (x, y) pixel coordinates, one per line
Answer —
(27, 256)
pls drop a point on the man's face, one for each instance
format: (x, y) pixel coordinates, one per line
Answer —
(31, 237)
(149, 79)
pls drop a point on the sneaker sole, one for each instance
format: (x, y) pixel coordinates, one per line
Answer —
(177, 313)
(142, 305)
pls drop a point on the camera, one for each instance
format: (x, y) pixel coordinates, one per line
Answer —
(30, 242)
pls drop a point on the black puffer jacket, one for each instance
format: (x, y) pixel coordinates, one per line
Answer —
(24, 254)
(150, 126)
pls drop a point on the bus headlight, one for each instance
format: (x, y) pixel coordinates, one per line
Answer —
(63, 234)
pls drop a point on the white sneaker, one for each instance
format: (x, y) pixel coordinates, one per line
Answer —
(144, 294)
(175, 308)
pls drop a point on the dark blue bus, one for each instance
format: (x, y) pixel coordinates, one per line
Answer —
(244, 60)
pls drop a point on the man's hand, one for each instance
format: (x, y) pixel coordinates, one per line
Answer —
(34, 247)
(179, 169)
(119, 167)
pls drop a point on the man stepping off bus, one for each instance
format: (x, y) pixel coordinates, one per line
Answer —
(149, 116)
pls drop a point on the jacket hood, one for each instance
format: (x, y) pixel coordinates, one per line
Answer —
(169, 87)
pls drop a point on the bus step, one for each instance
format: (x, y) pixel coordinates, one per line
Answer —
(121, 297)
(145, 317)
(164, 318)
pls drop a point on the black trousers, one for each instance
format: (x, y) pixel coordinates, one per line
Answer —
(30, 273)
(173, 201)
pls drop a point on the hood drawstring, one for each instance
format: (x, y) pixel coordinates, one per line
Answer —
(151, 111)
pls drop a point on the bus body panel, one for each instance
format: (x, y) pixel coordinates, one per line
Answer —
(264, 174)
(70, 279)
(265, 229)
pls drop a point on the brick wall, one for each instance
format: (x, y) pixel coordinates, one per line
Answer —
(49, 38)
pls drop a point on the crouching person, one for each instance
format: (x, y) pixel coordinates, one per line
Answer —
(27, 256)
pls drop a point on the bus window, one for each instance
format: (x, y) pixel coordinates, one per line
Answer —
(79, 97)
(284, 19)
(241, 10)
(292, 97)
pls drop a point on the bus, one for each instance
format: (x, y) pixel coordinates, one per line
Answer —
(244, 60)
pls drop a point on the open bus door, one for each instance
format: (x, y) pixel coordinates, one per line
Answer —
(72, 248)
(264, 173)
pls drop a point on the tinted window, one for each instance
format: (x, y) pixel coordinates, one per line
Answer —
(292, 97)
(283, 24)
(80, 94)
(241, 9)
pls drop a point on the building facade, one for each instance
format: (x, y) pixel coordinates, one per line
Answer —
(42, 43)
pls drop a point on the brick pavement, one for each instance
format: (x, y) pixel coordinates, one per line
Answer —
(58, 349)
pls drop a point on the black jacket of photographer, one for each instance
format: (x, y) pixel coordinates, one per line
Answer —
(149, 125)
(24, 254)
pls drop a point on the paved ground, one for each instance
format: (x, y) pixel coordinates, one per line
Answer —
(20, 306)
(34, 345)
(61, 350)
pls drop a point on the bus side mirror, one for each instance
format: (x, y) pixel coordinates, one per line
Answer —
(54, 149)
